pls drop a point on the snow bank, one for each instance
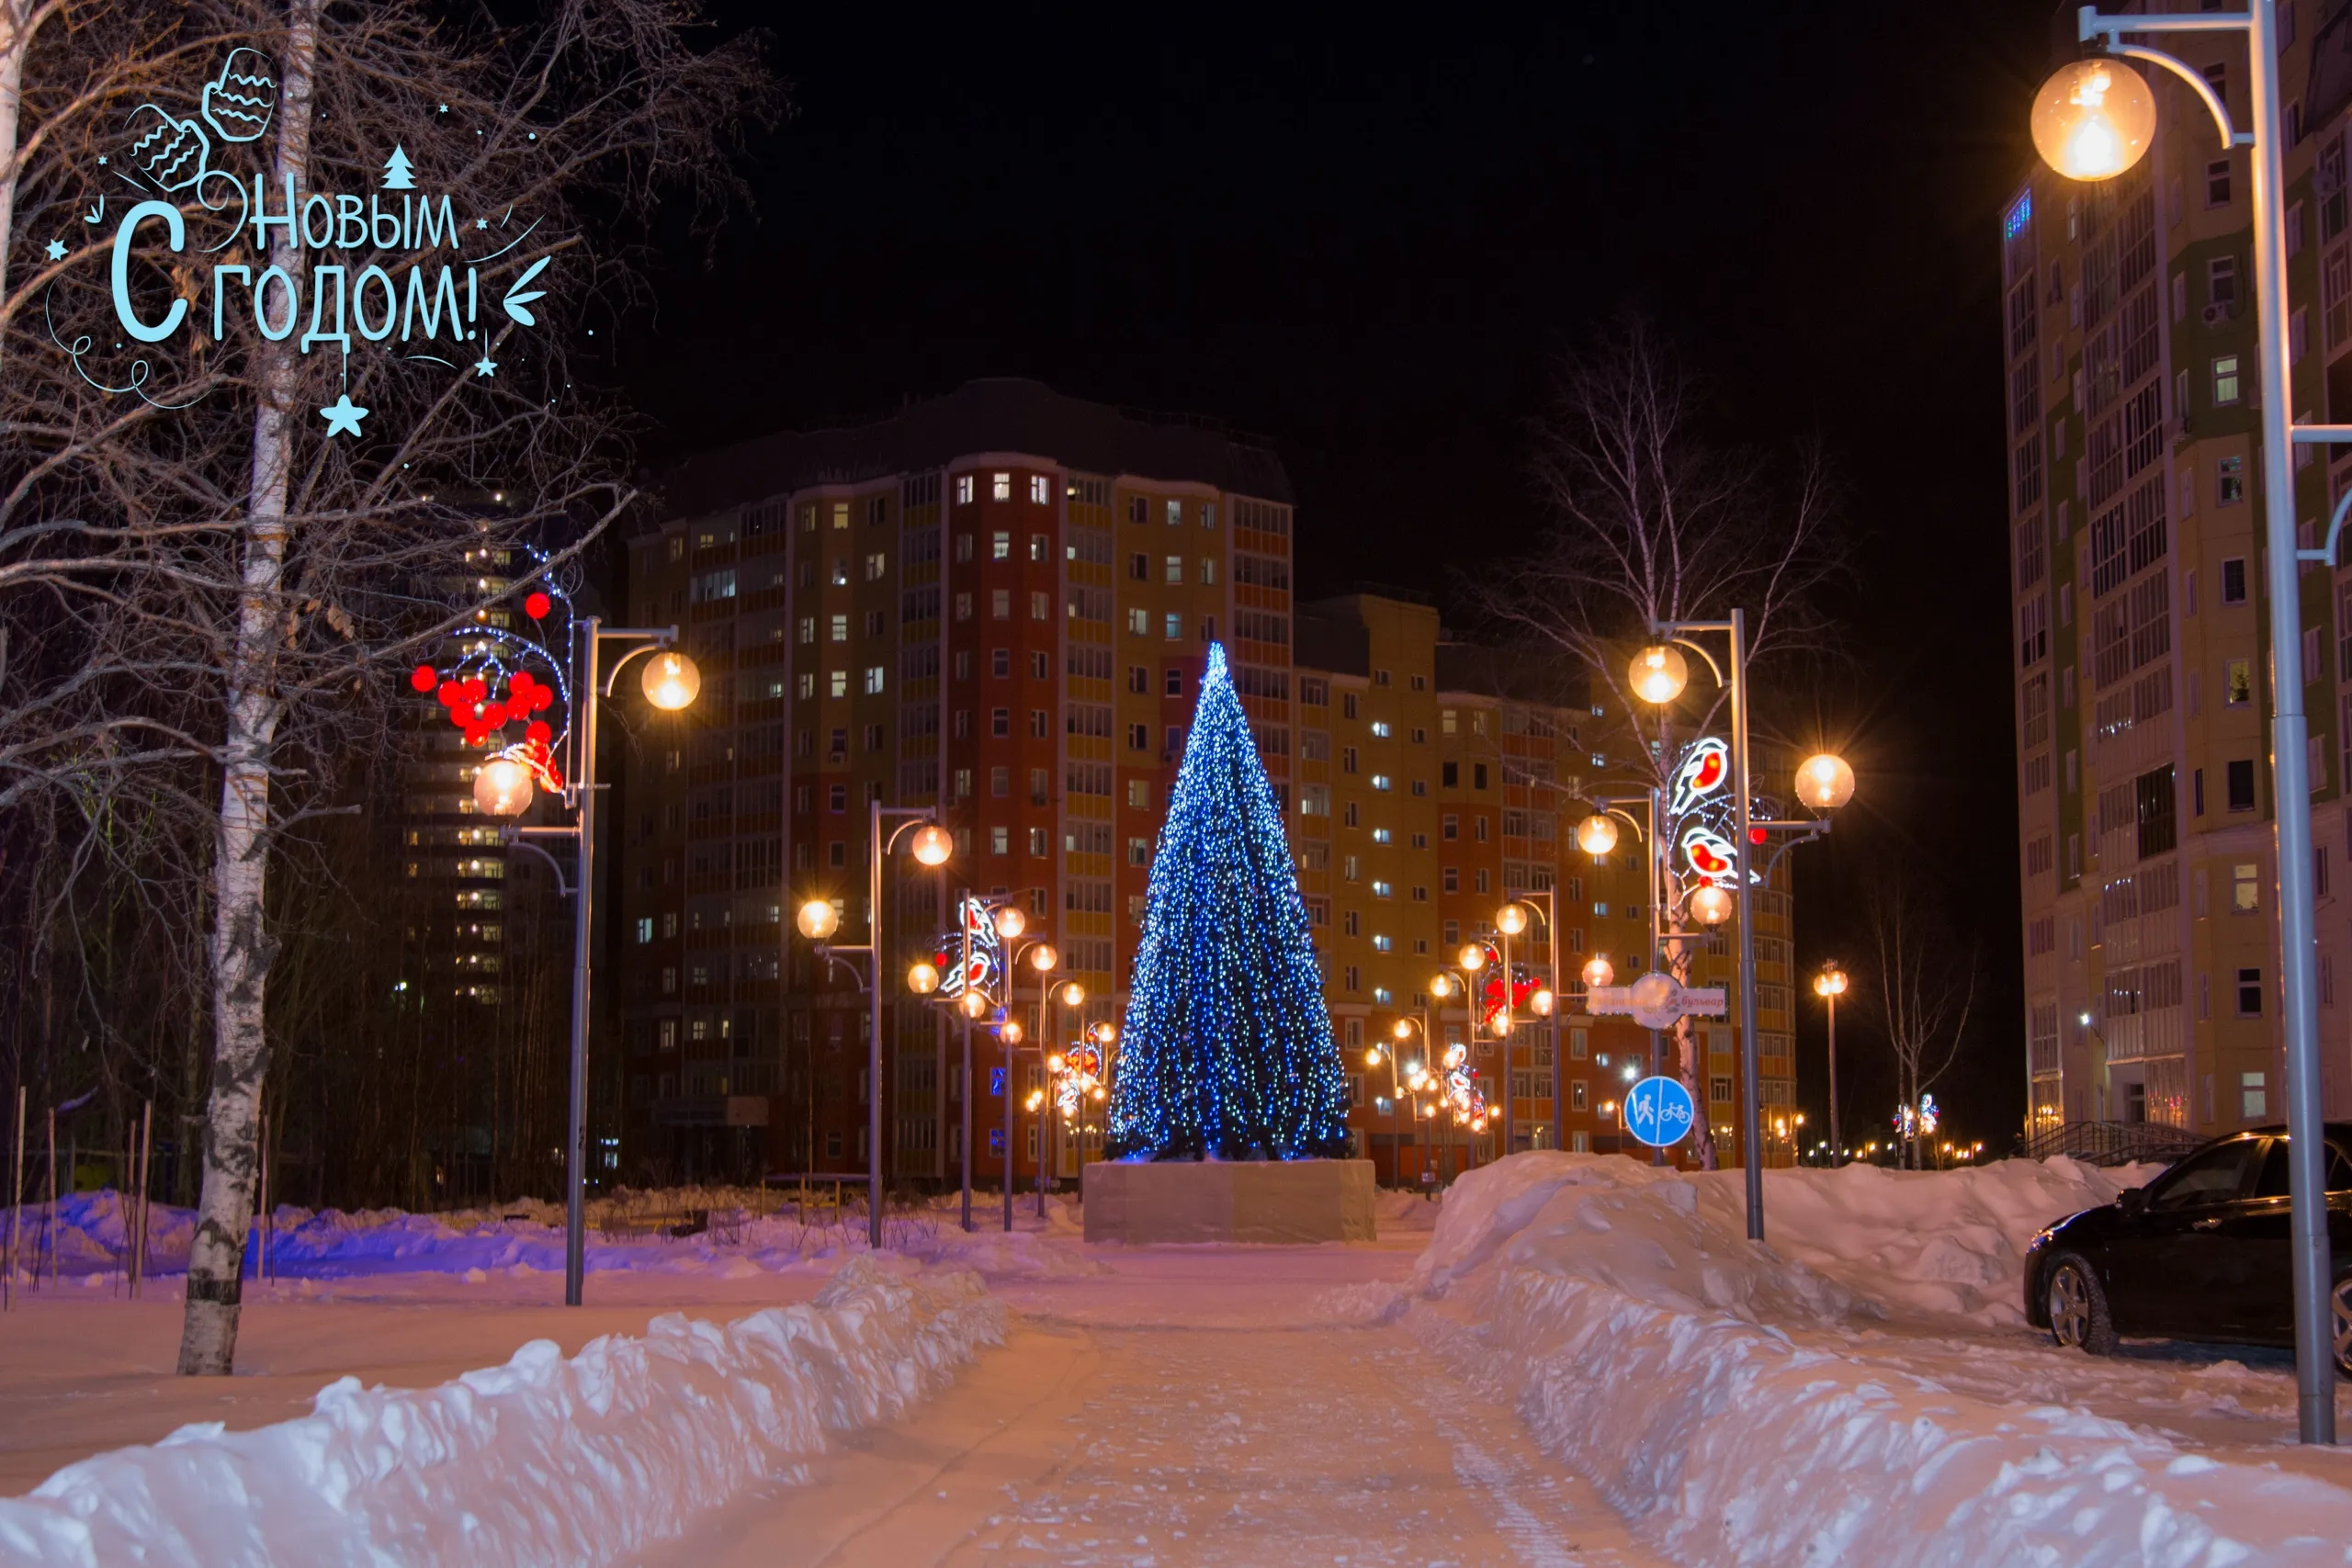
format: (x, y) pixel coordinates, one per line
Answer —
(1692, 1377)
(527, 1237)
(543, 1460)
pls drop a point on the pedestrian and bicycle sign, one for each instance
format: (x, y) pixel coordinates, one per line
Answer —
(1659, 1111)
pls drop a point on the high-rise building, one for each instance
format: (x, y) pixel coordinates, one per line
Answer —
(2143, 674)
(999, 603)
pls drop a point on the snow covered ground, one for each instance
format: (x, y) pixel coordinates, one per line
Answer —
(1849, 1394)
(1573, 1360)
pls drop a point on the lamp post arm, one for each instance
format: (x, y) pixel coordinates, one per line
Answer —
(520, 839)
(2231, 136)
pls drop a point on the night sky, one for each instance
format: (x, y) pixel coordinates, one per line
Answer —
(1371, 237)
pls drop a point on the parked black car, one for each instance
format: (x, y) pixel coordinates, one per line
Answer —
(2200, 1253)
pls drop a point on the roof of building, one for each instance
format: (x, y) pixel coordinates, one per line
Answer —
(994, 414)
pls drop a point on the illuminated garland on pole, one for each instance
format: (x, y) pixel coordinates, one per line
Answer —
(490, 685)
(1227, 1048)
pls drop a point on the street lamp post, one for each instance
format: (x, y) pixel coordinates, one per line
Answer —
(819, 921)
(1829, 985)
(502, 788)
(2093, 121)
(1823, 781)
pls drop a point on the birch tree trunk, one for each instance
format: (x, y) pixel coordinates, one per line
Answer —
(241, 944)
(1690, 1061)
(19, 20)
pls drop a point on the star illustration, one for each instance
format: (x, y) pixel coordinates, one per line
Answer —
(486, 366)
(481, 222)
(57, 250)
(343, 416)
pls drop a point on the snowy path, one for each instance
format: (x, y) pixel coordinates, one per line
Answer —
(1184, 1411)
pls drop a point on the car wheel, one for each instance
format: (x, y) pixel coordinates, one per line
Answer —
(2341, 1303)
(2078, 1314)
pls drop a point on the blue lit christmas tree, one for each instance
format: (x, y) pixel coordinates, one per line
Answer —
(1227, 1050)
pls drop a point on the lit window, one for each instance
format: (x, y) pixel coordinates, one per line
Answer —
(1382, 997)
(840, 628)
(1000, 545)
(1000, 487)
(1174, 570)
(645, 930)
(877, 565)
(2225, 378)
(1380, 728)
(873, 680)
(1040, 492)
(1380, 781)
(1175, 513)
(1380, 835)
(1382, 890)
(1139, 623)
(1000, 840)
(839, 681)
(1382, 944)
(1175, 626)
(2245, 887)
(963, 489)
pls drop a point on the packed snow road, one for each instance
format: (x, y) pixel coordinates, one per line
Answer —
(1191, 1405)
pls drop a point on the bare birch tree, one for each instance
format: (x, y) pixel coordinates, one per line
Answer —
(1923, 990)
(1650, 521)
(211, 572)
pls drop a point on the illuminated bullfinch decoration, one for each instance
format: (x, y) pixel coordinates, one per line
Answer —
(985, 967)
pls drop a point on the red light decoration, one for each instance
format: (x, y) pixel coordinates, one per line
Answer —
(424, 678)
(538, 605)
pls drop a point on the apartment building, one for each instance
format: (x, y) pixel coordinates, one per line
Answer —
(2142, 675)
(997, 603)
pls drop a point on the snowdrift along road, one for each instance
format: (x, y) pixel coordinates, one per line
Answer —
(1697, 1380)
(544, 1459)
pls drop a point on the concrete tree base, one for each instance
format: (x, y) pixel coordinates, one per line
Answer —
(1269, 1203)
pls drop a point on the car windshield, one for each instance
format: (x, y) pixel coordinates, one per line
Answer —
(2213, 1176)
(2273, 1183)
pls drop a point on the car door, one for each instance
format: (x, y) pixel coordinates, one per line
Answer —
(2162, 1260)
(2254, 1264)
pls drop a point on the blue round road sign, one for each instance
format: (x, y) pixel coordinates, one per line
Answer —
(1659, 1111)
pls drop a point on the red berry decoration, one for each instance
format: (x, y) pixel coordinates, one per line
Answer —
(461, 716)
(494, 715)
(538, 734)
(448, 694)
(475, 689)
(424, 678)
(538, 605)
(520, 684)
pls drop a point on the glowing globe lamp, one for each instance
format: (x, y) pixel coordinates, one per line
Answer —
(1541, 1001)
(1371, 1057)
(1073, 995)
(1658, 673)
(975, 1005)
(1440, 987)
(1830, 982)
(1825, 782)
(502, 787)
(1597, 834)
(1043, 957)
(1711, 905)
(923, 979)
(1403, 1029)
(2093, 119)
(1472, 957)
(670, 680)
(817, 919)
(1511, 920)
(1600, 971)
(931, 845)
(1010, 921)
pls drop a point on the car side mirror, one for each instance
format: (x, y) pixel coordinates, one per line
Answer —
(2132, 1199)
